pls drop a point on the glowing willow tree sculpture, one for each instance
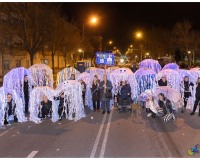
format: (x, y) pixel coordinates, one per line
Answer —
(150, 64)
(42, 75)
(173, 66)
(73, 99)
(124, 74)
(65, 74)
(16, 99)
(15, 80)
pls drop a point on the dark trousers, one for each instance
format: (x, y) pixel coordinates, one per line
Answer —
(196, 104)
(26, 99)
(185, 98)
(60, 110)
(105, 105)
(96, 105)
(83, 96)
(148, 110)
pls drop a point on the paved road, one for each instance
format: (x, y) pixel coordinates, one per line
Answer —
(121, 135)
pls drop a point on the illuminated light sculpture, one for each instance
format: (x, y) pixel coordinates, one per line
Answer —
(65, 74)
(173, 66)
(42, 75)
(19, 110)
(151, 64)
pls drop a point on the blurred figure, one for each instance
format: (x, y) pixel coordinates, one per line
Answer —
(95, 94)
(197, 97)
(72, 77)
(124, 94)
(166, 105)
(105, 87)
(134, 68)
(10, 113)
(151, 107)
(26, 93)
(61, 107)
(186, 91)
(45, 109)
(83, 86)
(163, 81)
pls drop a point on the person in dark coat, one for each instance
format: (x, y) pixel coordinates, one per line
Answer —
(105, 86)
(95, 94)
(61, 107)
(166, 105)
(83, 86)
(26, 93)
(9, 110)
(124, 93)
(197, 96)
(187, 92)
(45, 108)
(162, 81)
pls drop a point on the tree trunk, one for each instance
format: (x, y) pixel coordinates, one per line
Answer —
(52, 55)
(31, 57)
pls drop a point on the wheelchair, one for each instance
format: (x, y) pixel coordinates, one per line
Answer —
(125, 106)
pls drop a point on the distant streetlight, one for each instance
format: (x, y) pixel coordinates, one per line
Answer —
(93, 20)
(110, 42)
(147, 53)
(189, 52)
(131, 46)
(80, 50)
(139, 35)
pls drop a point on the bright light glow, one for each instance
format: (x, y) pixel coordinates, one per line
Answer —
(93, 20)
(139, 35)
(110, 42)
(189, 52)
(136, 56)
(131, 45)
(147, 53)
(121, 60)
(80, 50)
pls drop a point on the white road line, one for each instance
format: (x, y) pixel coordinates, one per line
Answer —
(94, 149)
(3, 133)
(103, 148)
(32, 154)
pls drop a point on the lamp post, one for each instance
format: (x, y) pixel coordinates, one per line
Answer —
(139, 35)
(93, 21)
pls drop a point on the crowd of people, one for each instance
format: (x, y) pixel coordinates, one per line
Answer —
(102, 94)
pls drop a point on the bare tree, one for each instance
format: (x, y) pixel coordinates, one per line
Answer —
(28, 23)
(185, 37)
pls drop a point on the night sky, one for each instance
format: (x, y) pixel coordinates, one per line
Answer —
(119, 21)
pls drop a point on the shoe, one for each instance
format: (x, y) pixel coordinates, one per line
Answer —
(173, 117)
(108, 112)
(192, 113)
(149, 114)
(103, 112)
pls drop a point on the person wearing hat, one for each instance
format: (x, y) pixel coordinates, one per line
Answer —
(163, 81)
(197, 97)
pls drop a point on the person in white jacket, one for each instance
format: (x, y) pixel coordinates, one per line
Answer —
(151, 107)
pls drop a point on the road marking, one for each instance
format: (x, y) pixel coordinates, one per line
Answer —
(32, 154)
(103, 148)
(94, 149)
(3, 133)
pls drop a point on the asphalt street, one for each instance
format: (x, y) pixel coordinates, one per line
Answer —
(121, 135)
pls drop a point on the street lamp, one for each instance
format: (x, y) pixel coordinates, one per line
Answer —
(80, 50)
(131, 46)
(139, 35)
(110, 42)
(93, 20)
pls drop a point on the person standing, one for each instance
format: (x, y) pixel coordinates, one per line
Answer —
(26, 93)
(186, 91)
(197, 96)
(95, 94)
(83, 86)
(105, 87)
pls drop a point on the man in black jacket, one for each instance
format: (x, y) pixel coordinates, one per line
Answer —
(26, 93)
(163, 81)
(196, 103)
(45, 108)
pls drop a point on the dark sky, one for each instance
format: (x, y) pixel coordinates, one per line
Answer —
(118, 21)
